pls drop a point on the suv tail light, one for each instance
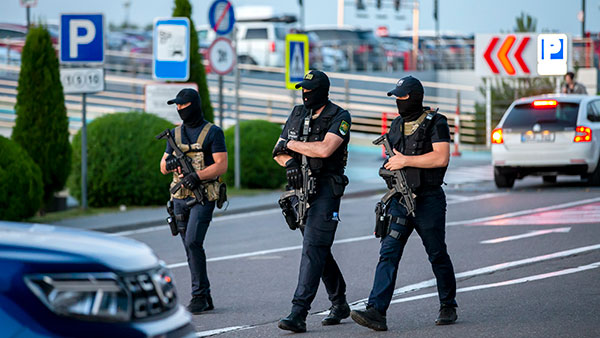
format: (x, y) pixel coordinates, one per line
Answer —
(272, 46)
(497, 136)
(544, 103)
(582, 134)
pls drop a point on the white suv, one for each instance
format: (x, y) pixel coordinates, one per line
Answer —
(262, 43)
(547, 136)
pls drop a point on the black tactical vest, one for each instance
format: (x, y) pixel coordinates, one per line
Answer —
(418, 143)
(332, 165)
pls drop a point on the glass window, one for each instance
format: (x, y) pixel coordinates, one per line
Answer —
(524, 116)
(256, 34)
(280, 33)
(594, 111)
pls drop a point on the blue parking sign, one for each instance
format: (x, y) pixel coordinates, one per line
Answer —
(553, 56)
(81, 38)
(171, 49)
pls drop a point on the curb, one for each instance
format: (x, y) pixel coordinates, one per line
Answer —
(158, 222)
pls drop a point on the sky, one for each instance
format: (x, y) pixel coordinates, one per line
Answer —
(461, 16)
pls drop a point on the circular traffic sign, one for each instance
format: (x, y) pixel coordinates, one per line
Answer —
(221, 16)
(221, 56)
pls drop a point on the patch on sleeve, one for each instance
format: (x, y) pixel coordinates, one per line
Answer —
(344, 126)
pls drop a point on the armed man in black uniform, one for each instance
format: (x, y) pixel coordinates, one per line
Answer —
(204, 145)
(420, 138)
(313, 149)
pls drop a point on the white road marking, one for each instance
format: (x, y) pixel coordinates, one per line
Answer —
(583, 214)
(524, 212)
(453, 199)
(526, 235)
(360, 304)
(223, 330)
(506, 283)
(434, 294)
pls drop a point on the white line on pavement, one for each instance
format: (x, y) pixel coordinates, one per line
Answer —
(525, 212)
(454, 200)
(223, 330)
(505, 283)
(526, 235)
(359, 304)
(434, 294)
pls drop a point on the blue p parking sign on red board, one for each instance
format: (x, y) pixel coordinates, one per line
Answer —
(221, 16)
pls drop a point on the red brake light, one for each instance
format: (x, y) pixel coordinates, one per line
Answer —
(582, 134)
(497, 136)
(544, 103)
(273, 47)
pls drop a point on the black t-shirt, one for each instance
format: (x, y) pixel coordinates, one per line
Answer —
(213, 143)
(339, 125)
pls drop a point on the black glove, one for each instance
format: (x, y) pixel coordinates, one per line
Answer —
(172, 163)
(191, 181)
(280, 148)
(293, 173)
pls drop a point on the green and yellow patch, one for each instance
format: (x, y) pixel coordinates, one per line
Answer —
(344, 127)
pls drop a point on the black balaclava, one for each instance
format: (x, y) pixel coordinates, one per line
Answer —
(192, 115)
(411, 109)
(316, 98)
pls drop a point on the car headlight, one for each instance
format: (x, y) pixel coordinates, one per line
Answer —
(92, 296)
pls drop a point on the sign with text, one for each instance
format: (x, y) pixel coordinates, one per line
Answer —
(171, 52)
(156, 97)
(82, 80)
(81, 38)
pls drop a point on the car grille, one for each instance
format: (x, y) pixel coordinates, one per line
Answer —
(152, 292)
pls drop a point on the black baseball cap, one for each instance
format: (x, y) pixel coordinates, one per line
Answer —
(314, 79)
(407, 85)
(184, 96)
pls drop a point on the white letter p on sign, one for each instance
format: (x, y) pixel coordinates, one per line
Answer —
(75, 40)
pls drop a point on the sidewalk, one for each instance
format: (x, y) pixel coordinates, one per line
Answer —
(363, 164)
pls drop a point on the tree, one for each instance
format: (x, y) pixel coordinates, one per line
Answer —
(42, 126)
(197, 71)
(525, 24)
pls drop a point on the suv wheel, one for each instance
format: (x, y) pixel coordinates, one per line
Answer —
(504, 180)
(549, 178)
(594, 177)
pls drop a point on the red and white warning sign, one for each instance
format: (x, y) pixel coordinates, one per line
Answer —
(506, 55)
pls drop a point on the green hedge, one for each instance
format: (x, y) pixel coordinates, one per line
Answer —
(123, 161)
(21, 188)
(258, 169)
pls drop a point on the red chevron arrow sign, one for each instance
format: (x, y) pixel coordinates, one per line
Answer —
(505, 55)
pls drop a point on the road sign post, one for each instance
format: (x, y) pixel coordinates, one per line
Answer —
(296, 59)
(171, 51)
(222, 58)
(81, 41)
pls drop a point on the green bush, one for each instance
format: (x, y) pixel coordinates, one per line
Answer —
(123, 161)
(42, 127)
(21, 188)
(258, 169)
(183, 8)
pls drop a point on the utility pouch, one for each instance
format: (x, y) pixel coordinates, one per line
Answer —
(222, 195)
(289, 213)
(382, 221)
(171, 220)
(338, 185)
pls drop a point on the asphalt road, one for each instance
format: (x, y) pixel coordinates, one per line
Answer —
(536, 274)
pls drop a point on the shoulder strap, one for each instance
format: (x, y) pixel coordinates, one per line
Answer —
(178, 139)
(203, 133)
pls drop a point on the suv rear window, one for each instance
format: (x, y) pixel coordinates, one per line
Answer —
(256, 34)
(564, 114)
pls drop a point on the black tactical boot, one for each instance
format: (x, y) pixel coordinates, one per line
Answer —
(294, 322)
(370, 318)
(198, 304)
(447, 315)
(210, 303)
(336, 314)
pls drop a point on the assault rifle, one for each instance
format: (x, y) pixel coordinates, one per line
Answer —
(400, 185)
(301, 194)
(186, 167)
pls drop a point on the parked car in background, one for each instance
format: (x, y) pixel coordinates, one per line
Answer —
(61, 282)
(262, 43)
(363, 50)
(546, 136)
(12, 37)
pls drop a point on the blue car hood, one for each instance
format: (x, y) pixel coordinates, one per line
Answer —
(52, 244)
